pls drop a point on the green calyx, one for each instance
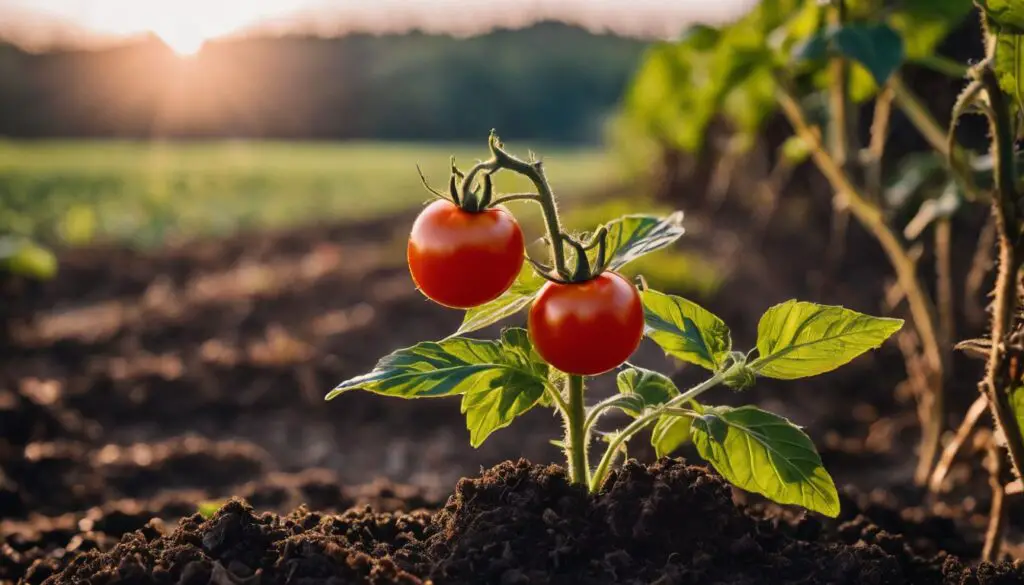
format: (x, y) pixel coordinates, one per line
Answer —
(590, 256)
(461, 191)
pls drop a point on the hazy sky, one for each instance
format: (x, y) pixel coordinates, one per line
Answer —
(185, 24)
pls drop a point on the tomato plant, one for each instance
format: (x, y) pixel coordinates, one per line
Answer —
(587, 328)
(461, 258)
(586, 320)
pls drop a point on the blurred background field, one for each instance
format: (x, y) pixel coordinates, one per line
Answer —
(150, 193)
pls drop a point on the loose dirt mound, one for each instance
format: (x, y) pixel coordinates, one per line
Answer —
(668, 523)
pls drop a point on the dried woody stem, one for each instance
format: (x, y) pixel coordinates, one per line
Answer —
(1003, 375)
(842, 138)
(919, 301)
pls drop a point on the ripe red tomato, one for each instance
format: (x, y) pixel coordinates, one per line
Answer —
(461, 259)
(587, 328)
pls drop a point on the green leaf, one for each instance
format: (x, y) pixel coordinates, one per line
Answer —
(515, 299)
(670, 432)
(798, 339)
(700, 36)
(814, 48)
(25, 257)
(633, 236)
(1017, 405)
(652, 387)
(208, 508)
(1009, 64)
(795, 150)
(1007, 14)
(877, 46)
(766, 454)
(686, 330)
(924, 24)
(631, 403)
(446, 368)
(491, 409)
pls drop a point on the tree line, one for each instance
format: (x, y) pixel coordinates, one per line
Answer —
(549, 82)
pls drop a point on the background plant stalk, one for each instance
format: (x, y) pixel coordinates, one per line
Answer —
(1002, 375)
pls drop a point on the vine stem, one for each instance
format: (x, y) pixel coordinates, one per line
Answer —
(604, 466)
(921, 307)
(999, 378)
(534, 171)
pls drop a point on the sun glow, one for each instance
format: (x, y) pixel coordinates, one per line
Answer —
(185, 25)
(184, 42)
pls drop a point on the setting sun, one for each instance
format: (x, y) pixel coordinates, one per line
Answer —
(182, 41)
(185, 25)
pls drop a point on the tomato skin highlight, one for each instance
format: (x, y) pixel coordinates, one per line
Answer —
(587, 328)
(461, 259)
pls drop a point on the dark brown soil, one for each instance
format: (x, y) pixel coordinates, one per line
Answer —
(139, 385)
(519, 523)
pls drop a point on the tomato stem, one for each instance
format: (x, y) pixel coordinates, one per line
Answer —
(534, 171)
(576, 435)
(604, 467)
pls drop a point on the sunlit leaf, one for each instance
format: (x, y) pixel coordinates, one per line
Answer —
(670, 432)
(25, 257)
(445, 368)
(798, 339)
(766, 454)
(208, 508)
(652, 387)
(633, 236)
(491, 409)
(685, 330)
(924, 24)
(1017, 404)
(515, 299)
(1008, 15)
(631, 403)
(1009, 64)
(795, 150)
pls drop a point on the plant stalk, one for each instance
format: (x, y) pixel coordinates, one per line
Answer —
(918, 299)
(944, 285)
(1000, 379)
(963, 433)
(576, 439)
(997, 515)
(842, 138)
